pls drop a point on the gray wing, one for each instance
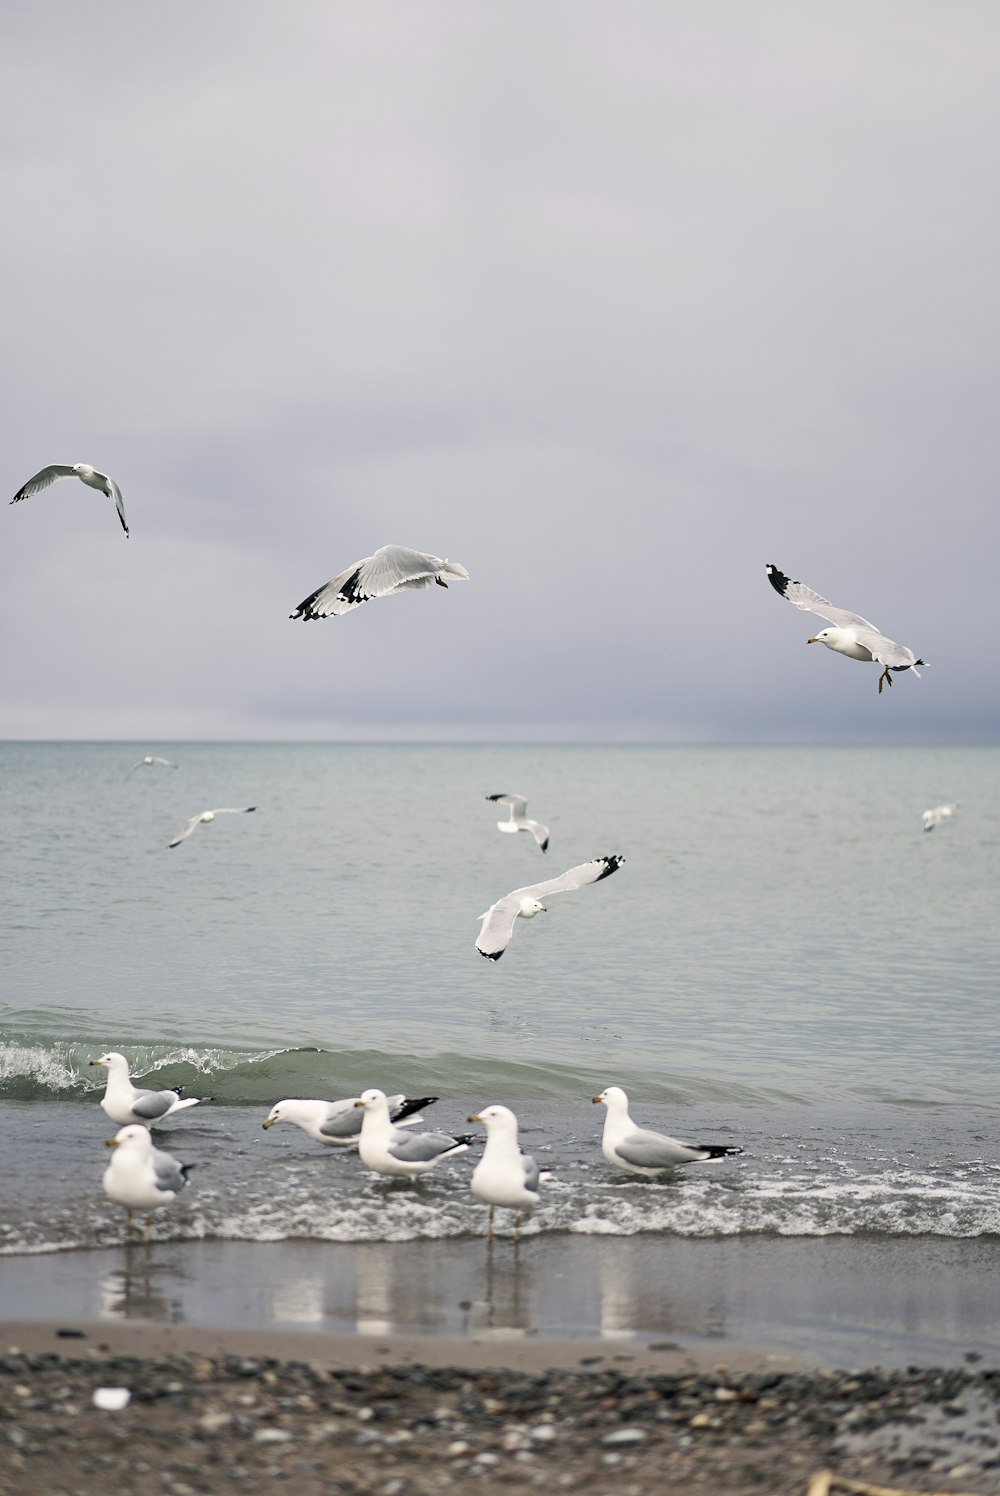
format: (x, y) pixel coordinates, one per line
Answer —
(497, 927)
(577, 877)
(538, 831)
(153, 1104)
(167, 1172)
(391, 567)
(801, 596)
(43, 479)
(119, 502)
(654, 1150)
(885, 651)
(234, 810)
(532, 1173)
(186, 832)
(343, 1120)
(518, 804)
(419, 1147)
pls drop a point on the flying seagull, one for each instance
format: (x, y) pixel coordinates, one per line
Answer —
(518, 821)
(85, 473)
(940, 813)
(210, 815)
(338, 1123)
(504, 1175)
(851, 634)
(148, 762)
(140, 1176)
(125, 1103)
(392, 1150)
(392, 569)
(498, 921)
(639, 1151)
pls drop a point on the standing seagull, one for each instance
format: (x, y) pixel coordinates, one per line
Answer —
(504, 1175)
(851, 635)
(337, 1123)
(85, 473)
(148, 762)
(394, 1151)
(141, 1177)
(393, 568)
(125, 1103)
(498, 921)
(210, 815)
(640, 1151)
(518, 821)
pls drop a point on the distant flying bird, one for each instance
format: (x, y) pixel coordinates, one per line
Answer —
(393, 568)
(338, 1123)
(125, 1103)
(140, 1176)
(148, 761)
(504, 1175)
(85, 473)
(394, 1151)
(518, 821)
(498, 921)
(851, 635)
(637, 1150)
(210, 815)
(940, 813)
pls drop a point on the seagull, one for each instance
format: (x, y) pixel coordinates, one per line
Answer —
(142, 1177)
(518, 821)
(498, 921)
(504, 1175)
(338, 1123)
(639, 1151)
(210, 815)
(394, 1151)
(125, 1103)
(148, 762)
(851, 635)
(940, 813)
(391, 569)
(85, 473)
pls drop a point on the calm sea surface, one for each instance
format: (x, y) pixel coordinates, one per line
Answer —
(785, 960)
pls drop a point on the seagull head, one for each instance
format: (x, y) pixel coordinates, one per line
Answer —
(531, 907)
(112, 1060)
(133, 1138)
(612, 1097)
(496, 1118)
(371, 1101)
(208, 815)
(274, 1115)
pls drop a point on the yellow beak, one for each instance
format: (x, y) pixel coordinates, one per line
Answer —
(474, 1118)
(111, 1143)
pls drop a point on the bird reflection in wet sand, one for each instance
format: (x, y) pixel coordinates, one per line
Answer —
(130, 1292)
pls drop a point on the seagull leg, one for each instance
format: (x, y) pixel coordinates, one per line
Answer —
(440, 583)
(489, 1225)
(886, 677)
(128, 1220)
(149, 1227)
(517, 1227)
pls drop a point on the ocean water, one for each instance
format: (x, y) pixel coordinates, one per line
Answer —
(785, 961)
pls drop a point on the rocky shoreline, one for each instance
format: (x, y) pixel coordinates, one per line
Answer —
(223, 1423)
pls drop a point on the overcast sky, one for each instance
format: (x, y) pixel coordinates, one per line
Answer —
(612, 303)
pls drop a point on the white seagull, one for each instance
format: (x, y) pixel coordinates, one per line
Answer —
(393, 568)
(851, 635)
(940, 813)
(498, 922)
(125, 1103)
(392, 1150)
(210, 815)
(141, 1177)
(338, 1123)
(85, 473)
(518, 821)
(640, 1151)
(148, 762)
(504, 1175)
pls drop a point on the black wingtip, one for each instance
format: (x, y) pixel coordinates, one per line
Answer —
(611, 865)
(410, 1106)
(544, 845)
(777, 579)
(497, 797)
(490, 955)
